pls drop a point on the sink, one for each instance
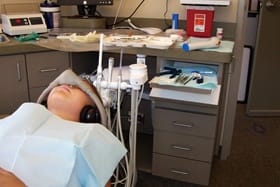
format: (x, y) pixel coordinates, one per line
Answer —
(3, 38)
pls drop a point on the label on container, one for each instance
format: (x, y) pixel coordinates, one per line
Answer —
(199, 22)
(56, 19)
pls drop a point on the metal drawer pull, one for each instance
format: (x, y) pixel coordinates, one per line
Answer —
(182, 148)
(47, 70)
(183, 125)
(18, 72)
(179, 172)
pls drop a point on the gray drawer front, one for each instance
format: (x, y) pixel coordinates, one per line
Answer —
(185, 122)
(183, 146)
(181, 169)
(42, 72)
(34, 93)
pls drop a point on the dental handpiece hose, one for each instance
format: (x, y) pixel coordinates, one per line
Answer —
(110, 72)
(99, 67)
(133, 136)
(108, 90)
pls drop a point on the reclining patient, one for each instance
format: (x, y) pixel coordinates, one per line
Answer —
(51, 147)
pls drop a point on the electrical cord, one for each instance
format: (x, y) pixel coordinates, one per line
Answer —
(168, 26)
(117, 14)
(124, 19)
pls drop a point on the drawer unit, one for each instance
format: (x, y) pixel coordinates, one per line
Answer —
(184, 122)
(183, 142)
(181, 169)
(34, 93)
(184, 146)
(43, 68)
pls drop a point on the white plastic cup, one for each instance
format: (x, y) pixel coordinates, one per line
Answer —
(219, 33)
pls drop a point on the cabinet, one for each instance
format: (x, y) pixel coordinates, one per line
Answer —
(184, 134)
(264, 91)
(42, 68)
(13, 82)
(23, 77)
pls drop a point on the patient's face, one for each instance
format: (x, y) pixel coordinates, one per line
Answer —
(67, 101)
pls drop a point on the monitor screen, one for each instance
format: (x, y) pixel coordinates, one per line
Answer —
(86, 8)
(85, 2)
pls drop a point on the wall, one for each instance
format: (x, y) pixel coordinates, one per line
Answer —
(222, 14)
(19, 5)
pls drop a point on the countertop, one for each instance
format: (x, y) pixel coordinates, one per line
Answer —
(49, 42)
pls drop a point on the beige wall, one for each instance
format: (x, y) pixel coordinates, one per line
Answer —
(149, 9)
(156, 9)
(19, 5)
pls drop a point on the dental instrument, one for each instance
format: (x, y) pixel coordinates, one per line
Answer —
(172, 71)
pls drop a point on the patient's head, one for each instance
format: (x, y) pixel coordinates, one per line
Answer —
(71, 103)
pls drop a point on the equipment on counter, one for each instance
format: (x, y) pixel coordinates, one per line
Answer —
(18, 24)
(149, 41)
(148, 30)
(200, 20)
(3, 38)
(200, 43)
(28, 37)
(184, 79)
(172, 71)
(51, 13)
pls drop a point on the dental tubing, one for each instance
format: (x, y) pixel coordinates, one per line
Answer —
(99, 67)
(138, 77)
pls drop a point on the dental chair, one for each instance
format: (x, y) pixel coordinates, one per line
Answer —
(45, 150)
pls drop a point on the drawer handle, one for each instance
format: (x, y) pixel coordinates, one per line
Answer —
(18, 72)
(183, 125)
(179, 172)
(181, 148)
(47, 70)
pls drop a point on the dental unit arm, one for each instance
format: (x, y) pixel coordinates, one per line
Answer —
(132, 79)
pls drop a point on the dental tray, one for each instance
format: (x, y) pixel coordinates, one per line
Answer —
(155, 42)
(171, 81)
(165, 82)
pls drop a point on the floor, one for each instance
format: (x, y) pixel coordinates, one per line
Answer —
(254, 160)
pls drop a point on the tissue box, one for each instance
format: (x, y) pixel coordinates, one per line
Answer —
(199, 21)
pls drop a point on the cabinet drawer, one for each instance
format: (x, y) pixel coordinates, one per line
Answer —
(180, 145)
(181, 169)
(185, 122)
(34, 93)
(45, 67)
